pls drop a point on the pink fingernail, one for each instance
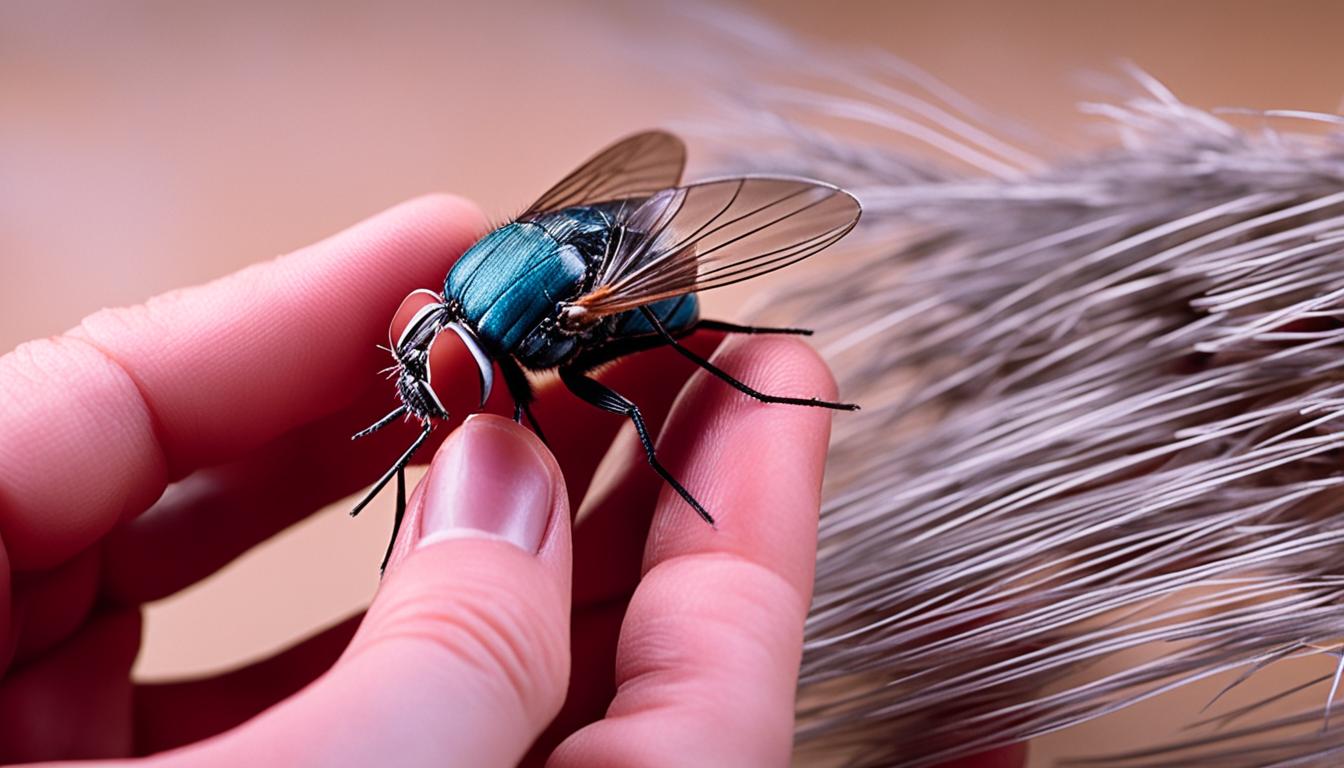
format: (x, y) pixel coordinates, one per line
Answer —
(492, 478)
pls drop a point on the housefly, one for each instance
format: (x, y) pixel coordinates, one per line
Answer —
(606, 263)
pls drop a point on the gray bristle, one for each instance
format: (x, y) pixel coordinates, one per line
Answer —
(1103, 401)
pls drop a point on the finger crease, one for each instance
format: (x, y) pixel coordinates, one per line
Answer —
(156, 431)
(731, 558)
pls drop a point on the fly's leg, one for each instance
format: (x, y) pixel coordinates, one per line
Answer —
(383, 422)
(595, 393)
(396, 520)
(733, 382)
(521, 391)
(719, 325)
(395, 471)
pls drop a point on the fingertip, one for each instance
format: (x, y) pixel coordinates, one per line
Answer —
(474, 471)
(789, 364)
(376, 262)
(493, 477)
(451, 221)
(446, 208)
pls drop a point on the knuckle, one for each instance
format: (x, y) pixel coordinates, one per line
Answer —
(62, 371)
(110, 325)
(755, 616)
(79, 450)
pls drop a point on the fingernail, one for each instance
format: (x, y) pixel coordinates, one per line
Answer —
(489, 478)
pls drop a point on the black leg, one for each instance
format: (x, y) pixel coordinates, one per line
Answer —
(383, 422)
(719, 325)
(397, 518)
(395, 470)
(536, 425)
(521, 391)
(734, 383)
(595, 393)
(629, 345)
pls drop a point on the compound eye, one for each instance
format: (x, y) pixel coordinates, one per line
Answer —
(417, 306)
(453, 352)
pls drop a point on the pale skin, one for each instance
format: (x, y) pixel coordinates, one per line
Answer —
(637, 636)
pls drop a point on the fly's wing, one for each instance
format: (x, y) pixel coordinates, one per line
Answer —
(715, 233)
(636, 166)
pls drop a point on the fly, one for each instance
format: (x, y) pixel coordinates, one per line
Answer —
(606, 263)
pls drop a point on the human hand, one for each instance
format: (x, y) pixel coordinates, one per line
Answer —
(683, 640)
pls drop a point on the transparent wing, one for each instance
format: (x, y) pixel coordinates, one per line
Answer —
(713, 234)
(636, 166)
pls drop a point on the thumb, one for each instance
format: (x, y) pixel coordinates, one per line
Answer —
(463, 657)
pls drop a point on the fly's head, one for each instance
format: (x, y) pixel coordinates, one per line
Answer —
(431, 348)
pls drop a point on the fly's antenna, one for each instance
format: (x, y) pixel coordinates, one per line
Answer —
(383, 422)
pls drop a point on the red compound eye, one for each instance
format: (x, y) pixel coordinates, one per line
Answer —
(459, 374)
(414, 304)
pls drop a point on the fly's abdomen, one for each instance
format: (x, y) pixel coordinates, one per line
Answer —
(675, 314)
(511, 280)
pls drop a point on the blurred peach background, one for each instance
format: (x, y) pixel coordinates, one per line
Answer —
(147, 145)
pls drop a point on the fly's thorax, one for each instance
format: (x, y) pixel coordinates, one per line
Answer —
(551, 343)
(511, 280)
(515, 286)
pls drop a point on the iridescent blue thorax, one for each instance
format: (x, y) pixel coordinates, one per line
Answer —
(508, 286)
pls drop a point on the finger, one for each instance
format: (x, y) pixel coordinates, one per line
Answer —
(207, 520)
(154, 557)
(609, 549)
(708, 656)
(74, 702)
(99, 419)
(50, 606)
(593, 638)
(213, 516)
(169, 715)
(464, 654)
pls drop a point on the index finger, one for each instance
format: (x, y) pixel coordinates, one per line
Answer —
(101, 418)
